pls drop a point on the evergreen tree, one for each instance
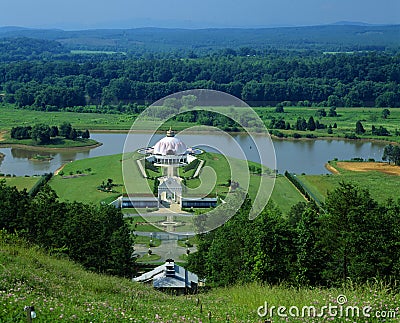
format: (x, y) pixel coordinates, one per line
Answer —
(311, 124)
(359, 128)
(86, 134)
(73, 135)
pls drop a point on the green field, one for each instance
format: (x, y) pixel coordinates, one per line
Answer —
(21, 182)
(346, 120)
(61, 290)
(12, 117)
(381, 186)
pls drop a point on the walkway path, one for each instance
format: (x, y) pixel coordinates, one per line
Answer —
(168, 249)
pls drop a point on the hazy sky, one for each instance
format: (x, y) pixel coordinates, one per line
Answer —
(76, 14)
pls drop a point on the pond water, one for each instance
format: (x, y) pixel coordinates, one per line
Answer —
(297, 156)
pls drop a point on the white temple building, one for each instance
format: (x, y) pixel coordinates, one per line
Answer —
(169, 153)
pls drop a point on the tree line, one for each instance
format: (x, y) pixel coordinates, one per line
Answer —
(42, 133)
(355, 239)
(361, 79)
(95, 236)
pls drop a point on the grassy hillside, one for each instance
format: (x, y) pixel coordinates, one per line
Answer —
(62, 291)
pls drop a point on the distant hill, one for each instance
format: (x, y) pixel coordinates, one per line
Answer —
(342, 36)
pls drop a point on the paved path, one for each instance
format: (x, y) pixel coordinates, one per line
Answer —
(168, 249)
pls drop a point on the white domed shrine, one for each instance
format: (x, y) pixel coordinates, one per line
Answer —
(170, 150)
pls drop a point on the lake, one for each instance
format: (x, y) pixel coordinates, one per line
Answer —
(297, 156)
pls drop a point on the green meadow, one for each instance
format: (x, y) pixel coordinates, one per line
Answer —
(345, 120)
(71, 186)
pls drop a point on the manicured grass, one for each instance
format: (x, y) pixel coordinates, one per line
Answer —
(21, 182)
(146, 241)
(381, 186)
(61, 290)
(192, 241)
(84, 188)
(143, 224)
(146, 258)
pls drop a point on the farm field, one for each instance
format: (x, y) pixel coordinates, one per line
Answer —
(382, 186)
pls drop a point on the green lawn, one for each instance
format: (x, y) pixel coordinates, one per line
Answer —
(146, 258)
(21, 182)
(143, 223)
(146, 241)
(84, 188)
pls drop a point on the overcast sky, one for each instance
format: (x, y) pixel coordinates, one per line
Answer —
(79, 14)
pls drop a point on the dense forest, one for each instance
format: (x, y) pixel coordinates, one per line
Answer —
(95, 236)
(353, 80)
(354, 239)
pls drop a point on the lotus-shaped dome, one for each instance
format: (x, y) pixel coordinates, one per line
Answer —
(170, 146)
